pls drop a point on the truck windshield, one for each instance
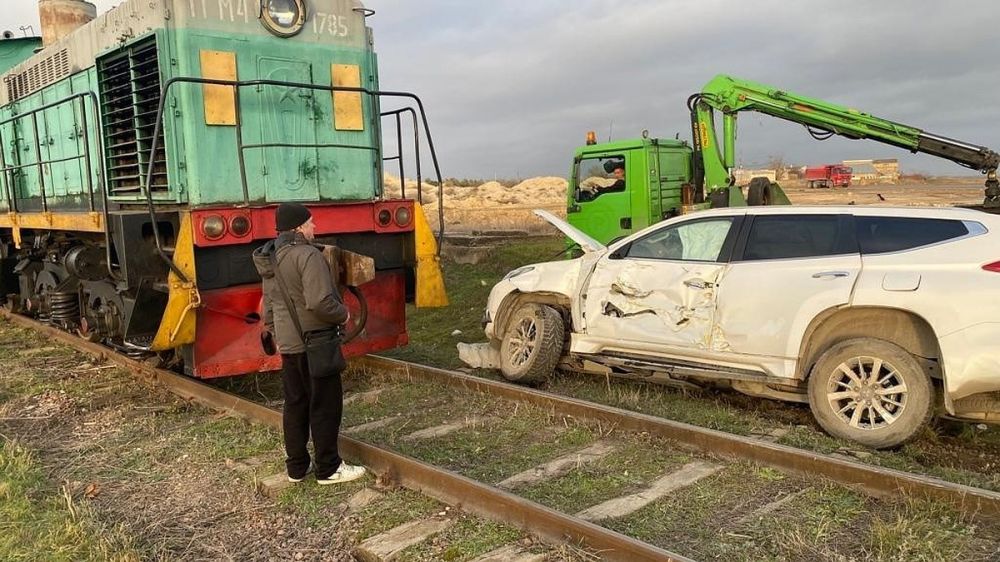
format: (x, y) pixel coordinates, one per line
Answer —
(598, 176)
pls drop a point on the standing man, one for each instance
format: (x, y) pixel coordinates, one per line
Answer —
(294, 272)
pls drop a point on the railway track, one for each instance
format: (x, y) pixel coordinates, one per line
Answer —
(410, 406)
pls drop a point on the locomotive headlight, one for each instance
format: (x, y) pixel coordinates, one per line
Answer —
(402, 216)
(240, 225)
(213, 227)
(283, 18)
(384, 217)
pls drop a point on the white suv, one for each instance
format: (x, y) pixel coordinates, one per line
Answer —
(864, 313)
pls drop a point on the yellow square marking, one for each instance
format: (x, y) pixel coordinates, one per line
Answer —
(220, 101)
(348, 112)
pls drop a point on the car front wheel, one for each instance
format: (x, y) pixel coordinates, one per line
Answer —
(532, 344)
(870, 391)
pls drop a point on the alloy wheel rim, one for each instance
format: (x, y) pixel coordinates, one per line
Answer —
(523, 342)
(867, 393)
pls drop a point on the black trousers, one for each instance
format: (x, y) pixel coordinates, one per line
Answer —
(312, 405)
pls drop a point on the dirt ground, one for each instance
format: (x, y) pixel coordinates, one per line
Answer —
(939, 192)
(160, 470)
(158, 478)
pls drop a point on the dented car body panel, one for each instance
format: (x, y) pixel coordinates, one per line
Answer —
(704, 289)
(645, 301)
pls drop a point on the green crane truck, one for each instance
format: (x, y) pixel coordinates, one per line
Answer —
(617, 188)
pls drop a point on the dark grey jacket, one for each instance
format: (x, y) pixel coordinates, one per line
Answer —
(307, 277)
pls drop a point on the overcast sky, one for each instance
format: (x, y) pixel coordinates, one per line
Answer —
(512, 87)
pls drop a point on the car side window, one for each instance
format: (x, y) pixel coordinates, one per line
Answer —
(701, 240)
(795, 236)
(879, 235)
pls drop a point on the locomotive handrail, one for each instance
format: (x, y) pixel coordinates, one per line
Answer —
(7, 171)
(399, 151)
(416, 151)
(237, 85)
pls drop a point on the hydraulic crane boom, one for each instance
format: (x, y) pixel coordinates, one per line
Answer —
(713, 170)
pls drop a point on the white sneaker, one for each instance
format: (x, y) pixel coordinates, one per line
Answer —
(308, 472)
(345, 473)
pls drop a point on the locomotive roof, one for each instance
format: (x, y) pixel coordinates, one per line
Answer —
(133, 18)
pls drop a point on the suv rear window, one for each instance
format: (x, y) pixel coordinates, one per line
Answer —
(879, 235)
(796, 236)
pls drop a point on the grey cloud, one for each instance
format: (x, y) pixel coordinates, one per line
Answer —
(517, 98)
(511, 87)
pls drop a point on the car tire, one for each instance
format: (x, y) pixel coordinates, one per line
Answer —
(532, 344)
(759, 192)
(848, 393)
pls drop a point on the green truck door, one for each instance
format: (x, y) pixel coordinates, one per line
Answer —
(603, 215)
(287, 117)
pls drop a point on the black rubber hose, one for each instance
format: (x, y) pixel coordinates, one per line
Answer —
(362, 316)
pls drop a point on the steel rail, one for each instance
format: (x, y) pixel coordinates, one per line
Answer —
(872, 479)
(443, 485)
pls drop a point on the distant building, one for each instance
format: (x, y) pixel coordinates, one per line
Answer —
(888, 170)
(862, 171)
(744, 175)
(885, 170)
(792, 173)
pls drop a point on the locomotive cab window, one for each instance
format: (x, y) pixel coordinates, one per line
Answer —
(283, 18)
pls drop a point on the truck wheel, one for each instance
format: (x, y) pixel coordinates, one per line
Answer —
(759, 192)
(719, 198)
(532, 345)
(870, 391)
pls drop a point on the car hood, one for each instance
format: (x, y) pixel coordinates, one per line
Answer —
(587, 244)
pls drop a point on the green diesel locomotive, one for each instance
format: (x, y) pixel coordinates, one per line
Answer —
(142, 154)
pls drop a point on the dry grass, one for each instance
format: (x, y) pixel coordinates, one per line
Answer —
(37, 516)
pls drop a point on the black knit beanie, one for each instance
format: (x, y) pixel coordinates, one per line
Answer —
(290, 216)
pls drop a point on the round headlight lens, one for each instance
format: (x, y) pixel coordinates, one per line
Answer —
(283, 18)
(402, 216)
(213, 227)
(240, 225)
(384, 217)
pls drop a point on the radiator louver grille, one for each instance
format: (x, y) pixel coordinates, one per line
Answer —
(46, 71)
(130, 93)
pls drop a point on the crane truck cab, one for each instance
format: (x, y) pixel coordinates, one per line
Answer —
(658, 183)
(607, 206)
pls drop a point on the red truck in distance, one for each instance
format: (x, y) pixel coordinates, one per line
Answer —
(830, 175)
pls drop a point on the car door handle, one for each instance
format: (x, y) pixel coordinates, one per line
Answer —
(830, 274)
(698, 283)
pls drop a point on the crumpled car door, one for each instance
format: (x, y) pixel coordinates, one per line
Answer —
(662, 292)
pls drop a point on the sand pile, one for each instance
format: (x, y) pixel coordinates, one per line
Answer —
(391, 185)
(490, 206)
(538, 192)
